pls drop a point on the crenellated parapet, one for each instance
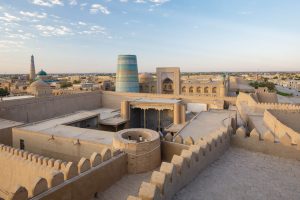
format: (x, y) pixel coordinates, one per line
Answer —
(174, 175)
(267, 142)
(32, 174)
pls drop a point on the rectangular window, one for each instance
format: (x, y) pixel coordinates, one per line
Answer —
(22, 144)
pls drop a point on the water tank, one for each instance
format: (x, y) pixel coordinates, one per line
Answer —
(127, 74)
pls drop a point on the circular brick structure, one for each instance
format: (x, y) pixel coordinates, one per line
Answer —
(142, 147)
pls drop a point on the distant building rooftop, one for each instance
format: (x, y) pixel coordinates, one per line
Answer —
(91, 135)
(62, 120)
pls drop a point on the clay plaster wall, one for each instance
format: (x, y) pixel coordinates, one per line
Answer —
(37, 109)
(169, 149)
(35, 174)
(113, 99)
(18, 170)
(276, 121)
(94, 179)
(267, 143)
(183, 168)
(289, 118)
(6, 136)
(247, 104)
(58, 147)
(265, 97)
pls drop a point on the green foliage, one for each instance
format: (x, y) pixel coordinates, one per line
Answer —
(269, 85)
(76, 82)
(3, 92)
(284, 94)
(65, 84)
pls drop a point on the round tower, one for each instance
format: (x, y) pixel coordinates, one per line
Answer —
(142, 147)
(32, 69)
(127, 74)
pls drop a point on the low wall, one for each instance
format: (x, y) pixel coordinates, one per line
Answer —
(266, 143)
(113, 99)
(6, 136)
(265, 97)
(84, 186)
(17, 171)
(183, 168)
(58, 147)
(37, 109)
(169, 149)
(32, 175)
(278, 127)
(248, 104)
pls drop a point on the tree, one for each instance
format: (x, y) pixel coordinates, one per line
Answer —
(3, 92)
(76, 82)
(65, 84)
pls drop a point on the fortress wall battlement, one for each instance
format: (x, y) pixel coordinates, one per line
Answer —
(173, 176)
(40, 108)
(36, 174)
(247, 104)
(96, 174)
(69, 169)
(279, 128)
(267, 143)
(70, 149)
(28, 174)
(266, 97)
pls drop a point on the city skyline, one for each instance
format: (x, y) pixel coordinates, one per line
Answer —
(68, 36)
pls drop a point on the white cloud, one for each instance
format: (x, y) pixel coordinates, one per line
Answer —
(73, 2)
(159, 2)
(10, 44)
(53, 31)
(83, 5)
(9, 18)
(81, 23)
(23, 36)
(140, 1)
(34, 14)
(48, 3)
(123, 1)
(95, 8)
(94, 30)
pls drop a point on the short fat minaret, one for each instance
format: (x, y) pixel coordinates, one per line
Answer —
(32, 69)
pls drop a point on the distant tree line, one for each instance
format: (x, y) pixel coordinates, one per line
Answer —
(66, 85)
(4, 92)
(265, 83)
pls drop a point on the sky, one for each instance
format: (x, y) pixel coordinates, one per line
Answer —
(86, 36)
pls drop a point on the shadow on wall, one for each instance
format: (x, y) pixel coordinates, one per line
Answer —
(173, 176)
(267, 143)
(33, 175)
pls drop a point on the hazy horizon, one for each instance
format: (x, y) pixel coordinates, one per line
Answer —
(80, 36)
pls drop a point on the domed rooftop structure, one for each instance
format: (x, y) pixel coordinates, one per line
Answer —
(39, 84)
(145, 77)
(39, 88)
(42, 73)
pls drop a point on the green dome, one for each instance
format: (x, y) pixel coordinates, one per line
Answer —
(42, 73)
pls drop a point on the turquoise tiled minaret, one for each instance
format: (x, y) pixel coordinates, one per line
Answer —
(127, 74)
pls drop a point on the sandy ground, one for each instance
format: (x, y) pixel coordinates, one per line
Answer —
(128, 185)
(244, 175)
